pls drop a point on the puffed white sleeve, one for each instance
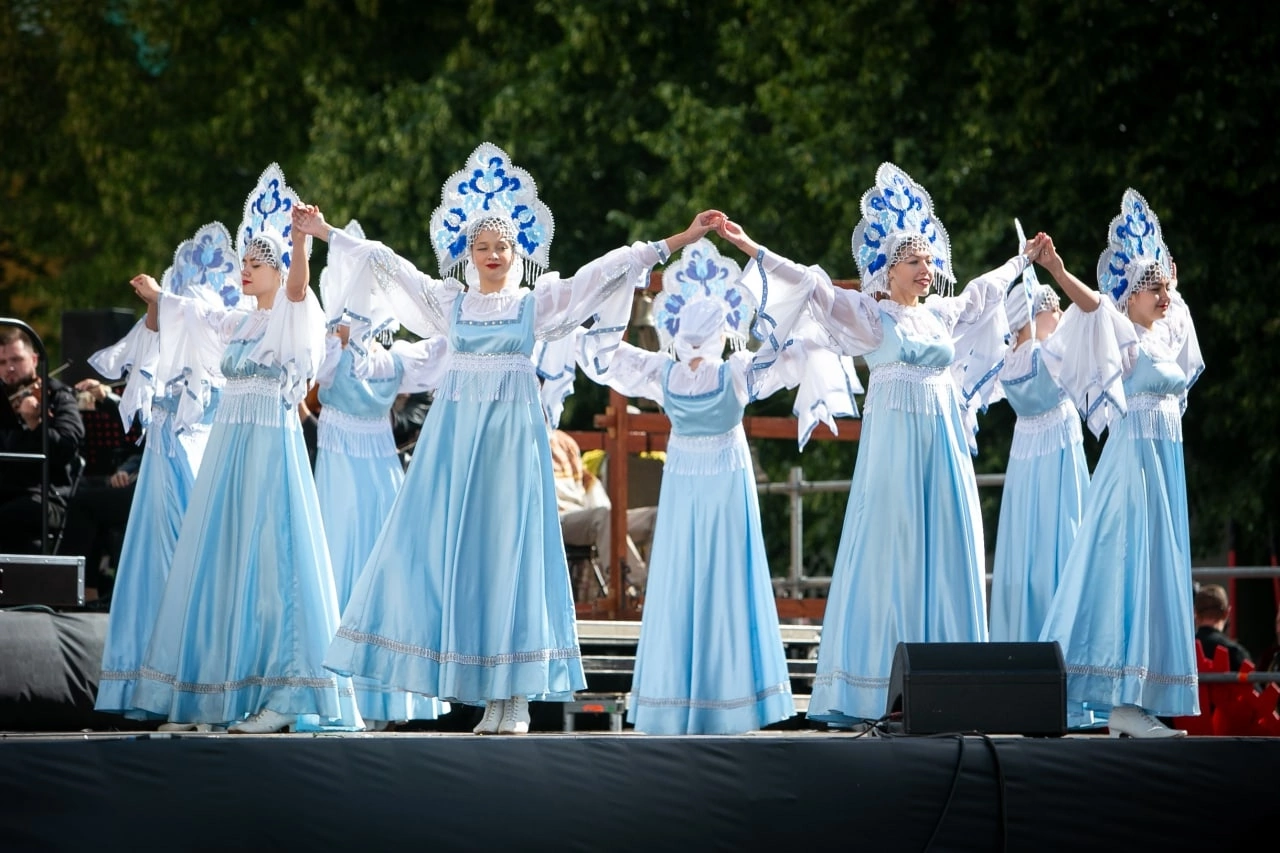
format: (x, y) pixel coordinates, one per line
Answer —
(850, 317)
(294, 342)
(556, 363)
(1180, 332)
(329, 362)
(634, 372)
(826, 381)
(416, 365)
(781, 291)
(422, 304)
(1089, 355)
(194, 331)
(601, 291)
(423, 363)
(138, 354)
(980, 333)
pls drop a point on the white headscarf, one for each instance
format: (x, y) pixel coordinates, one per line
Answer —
(702, 330)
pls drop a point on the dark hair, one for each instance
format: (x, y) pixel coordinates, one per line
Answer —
(1211, 600)
(12, 334)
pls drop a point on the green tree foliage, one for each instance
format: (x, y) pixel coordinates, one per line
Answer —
(128, 123)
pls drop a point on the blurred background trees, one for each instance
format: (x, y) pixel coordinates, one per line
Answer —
(127, 124)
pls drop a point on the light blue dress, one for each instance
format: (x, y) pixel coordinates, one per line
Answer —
(710, 658)
(250, 604)
(358, 474)
(466, 596)
(911, 563)
(1123, 611)
(1045, 485)
(166, 479)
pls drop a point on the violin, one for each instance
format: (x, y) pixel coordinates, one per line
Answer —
(34, 389)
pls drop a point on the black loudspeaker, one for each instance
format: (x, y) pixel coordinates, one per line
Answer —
(993, 688)
(86, 332)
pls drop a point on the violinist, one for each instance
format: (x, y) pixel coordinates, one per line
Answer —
(30, 409)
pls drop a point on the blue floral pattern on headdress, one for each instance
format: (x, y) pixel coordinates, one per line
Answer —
(269, 207)
(490, 186)
(206, 262)
(894, 208)
(1134, 243)
(701, 273)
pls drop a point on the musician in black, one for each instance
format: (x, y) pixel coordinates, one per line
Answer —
(31, 407)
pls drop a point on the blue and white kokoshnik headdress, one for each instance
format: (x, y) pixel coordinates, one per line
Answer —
(490, 193)
(268, 220)
(1136, 258)
(897, 218)
(701, 301)
(206, 266)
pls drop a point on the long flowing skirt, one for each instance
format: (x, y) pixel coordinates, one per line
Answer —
(1123, 613)
(160, 497)
(710, 658)
(466, 596)
(1040, 513)
(250, 606)
(356, 494)
(910, 565)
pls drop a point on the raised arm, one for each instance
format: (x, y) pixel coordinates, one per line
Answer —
(149, 292)
(300, 265)
(419, 302)
(1084, 297)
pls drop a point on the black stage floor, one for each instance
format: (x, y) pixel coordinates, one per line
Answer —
(441, 791)
(74, 779)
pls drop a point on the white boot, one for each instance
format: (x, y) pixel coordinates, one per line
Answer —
(515, 718)
(493, 713)
(1133, 721)
(178, 727)
(264, 722)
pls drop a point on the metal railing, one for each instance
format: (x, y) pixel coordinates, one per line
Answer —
(797, 584)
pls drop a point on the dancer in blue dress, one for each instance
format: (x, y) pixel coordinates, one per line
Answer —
(466, 596)
(911, 563)
(250, 607)
(358, 471)
(710, 658)
(1047, 476)
(170, 463)
(1126, 354)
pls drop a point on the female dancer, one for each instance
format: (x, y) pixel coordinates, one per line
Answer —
(710, 658)
(1047, 475)
(169, 465)
(358, 470)
(466, 596)
(911, 562)
(250, 608)
(1126, 354)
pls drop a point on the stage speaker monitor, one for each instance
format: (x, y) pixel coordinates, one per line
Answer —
(992, 688)
(86, 332)
(53, 581)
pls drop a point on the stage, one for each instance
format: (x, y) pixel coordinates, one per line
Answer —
(74, 779)
(771, 791)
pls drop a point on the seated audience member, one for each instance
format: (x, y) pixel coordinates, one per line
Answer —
(408, 414)
(105, 443)
(585, 509)
(31, 409)
(1212, 610)
(96, 518)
